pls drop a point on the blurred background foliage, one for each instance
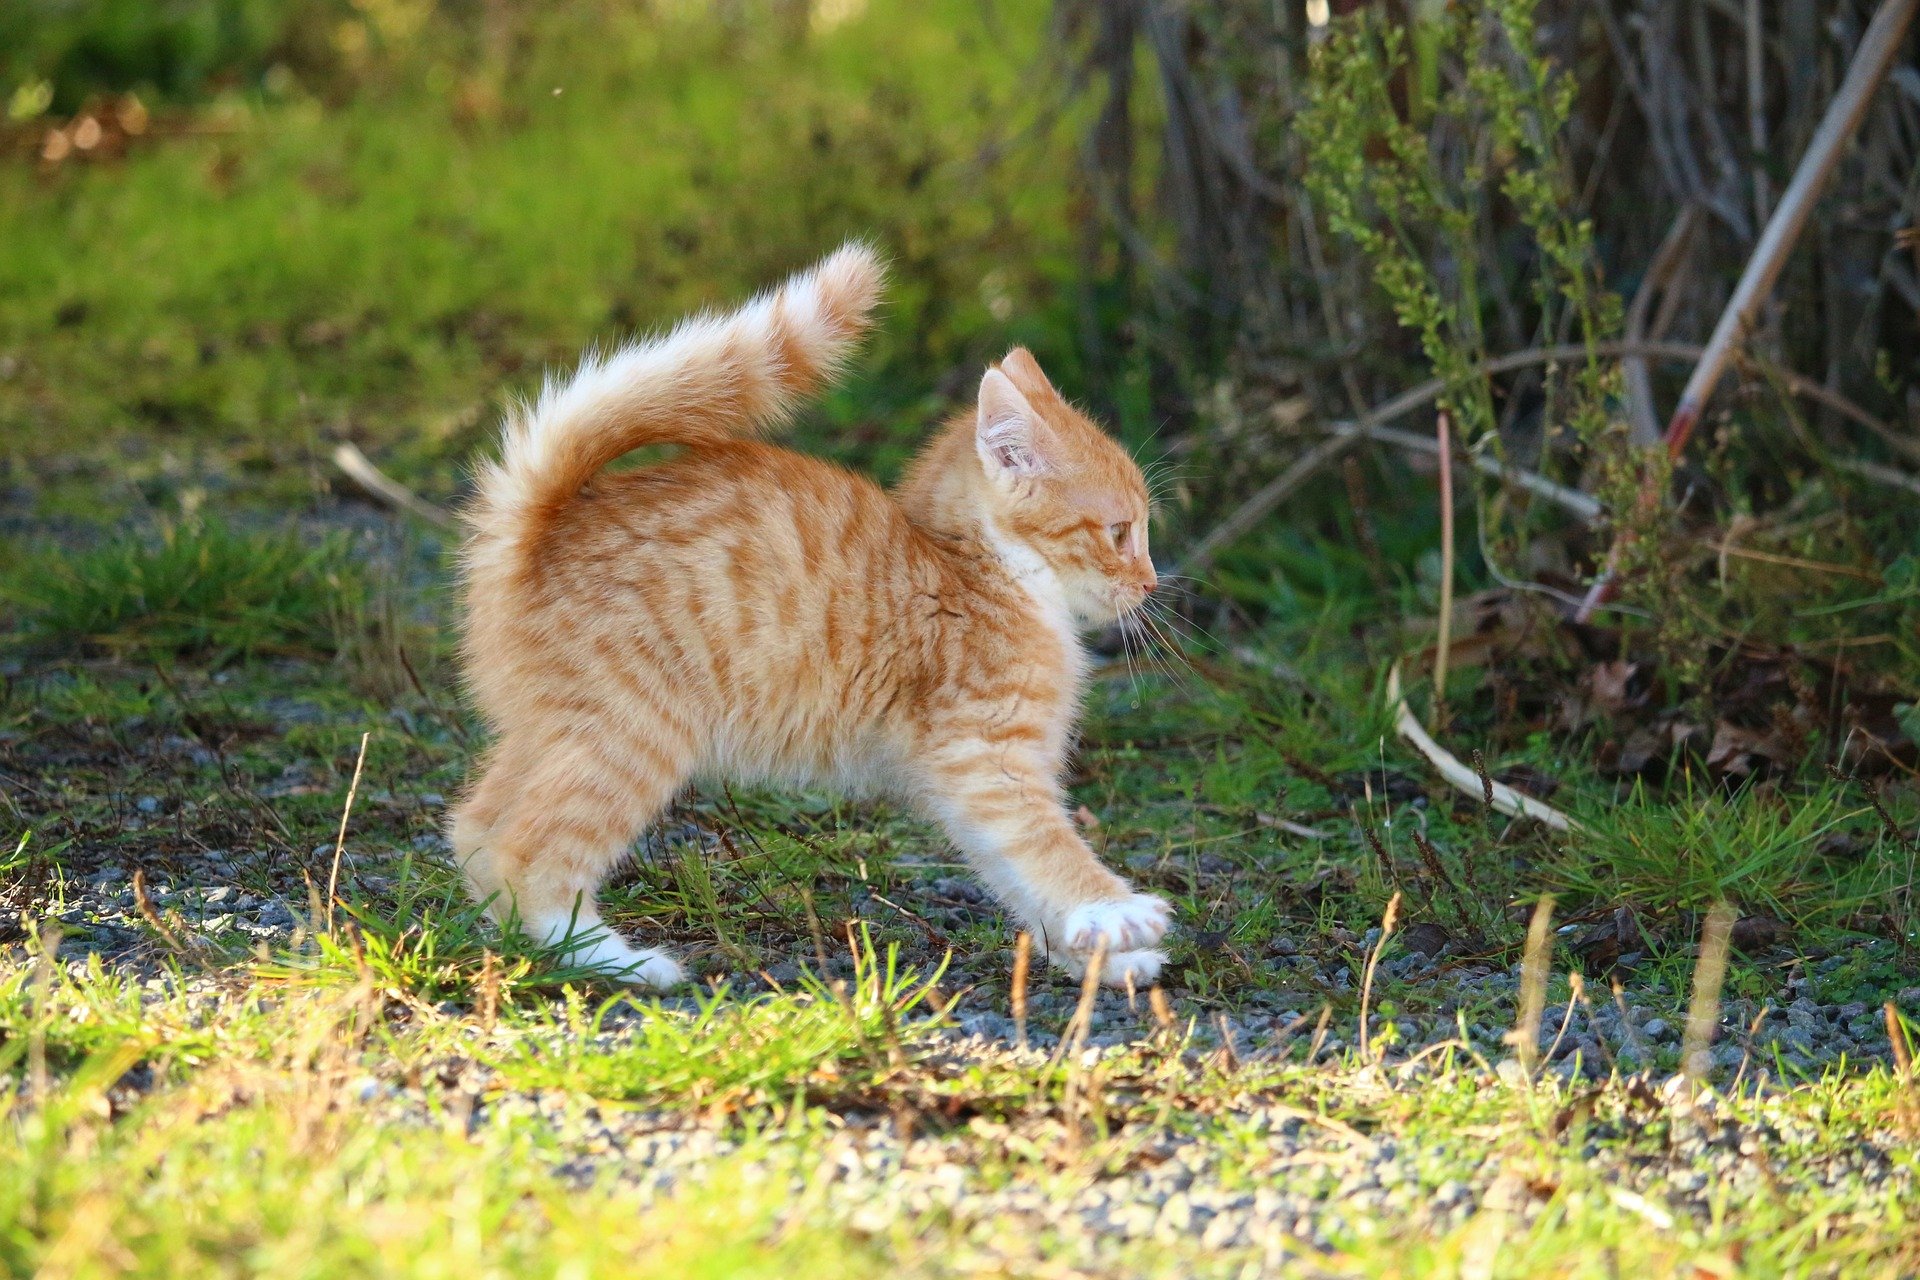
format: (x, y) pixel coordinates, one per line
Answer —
(238, 232)
(371, 220)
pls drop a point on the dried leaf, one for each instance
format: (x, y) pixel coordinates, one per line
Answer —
(1425, 938)
(1602, 945)
(1754, 934)
(1612, 686)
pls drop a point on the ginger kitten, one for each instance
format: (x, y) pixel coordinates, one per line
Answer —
(741, 612)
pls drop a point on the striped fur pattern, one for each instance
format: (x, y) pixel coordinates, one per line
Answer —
(741, 612)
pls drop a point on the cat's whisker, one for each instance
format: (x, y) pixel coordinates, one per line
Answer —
(1151, 437)
(1167, 671)
(1162, 483)
(1178, 629)
(1158, 650)
(1169, 647)
(1161, 623)
(1187, 628)
(1160, 480)
(1126, 651)
(1150, 663)
(1154, 641)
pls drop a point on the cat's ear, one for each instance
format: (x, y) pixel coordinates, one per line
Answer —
(1026, 373)
(1007, 434)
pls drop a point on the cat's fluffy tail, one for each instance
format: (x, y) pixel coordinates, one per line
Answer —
(712, 379)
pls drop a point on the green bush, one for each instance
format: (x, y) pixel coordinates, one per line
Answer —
(175, 50)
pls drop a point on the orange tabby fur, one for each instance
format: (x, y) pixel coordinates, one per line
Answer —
(742, 612)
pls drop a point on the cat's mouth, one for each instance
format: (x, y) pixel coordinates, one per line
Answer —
(1127, 600)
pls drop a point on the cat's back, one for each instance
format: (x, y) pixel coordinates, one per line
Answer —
(790, 599)
(755, 515)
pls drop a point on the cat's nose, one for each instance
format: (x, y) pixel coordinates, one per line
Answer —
(1153, 580)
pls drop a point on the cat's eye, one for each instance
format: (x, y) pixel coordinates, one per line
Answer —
(1119, 532)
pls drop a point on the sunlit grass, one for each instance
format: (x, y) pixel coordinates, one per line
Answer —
(317, 1132)
(1701, 844)
(729, 1051)
(274, 1179)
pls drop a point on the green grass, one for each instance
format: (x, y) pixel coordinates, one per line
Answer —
(1762, 852)
(312, 1110)
(729, 1051)
(200, 587)
(1193, 779)
(284, 1184)
(315, 1133)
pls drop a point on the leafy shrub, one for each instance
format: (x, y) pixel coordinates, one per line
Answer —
(1414, 189)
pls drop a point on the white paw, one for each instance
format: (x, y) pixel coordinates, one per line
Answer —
(607, 954)
(1138, 969)
(1128, 924)
(655, 969)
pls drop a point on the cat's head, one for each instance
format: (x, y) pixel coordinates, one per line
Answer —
(1062, 491)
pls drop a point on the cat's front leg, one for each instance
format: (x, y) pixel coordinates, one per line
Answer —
(1010, 823)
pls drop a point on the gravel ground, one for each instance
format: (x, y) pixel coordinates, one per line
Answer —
(1308, 1187)
(1289, 1187)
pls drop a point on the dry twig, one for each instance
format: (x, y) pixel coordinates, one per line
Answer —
(378, 484)
(144, 905)
(340, 840)
(1536, 963)
(1022, 958)
(1443, 643)
(1709, 975)
(1641, 414)
(1387, 923)
(1373, 426)
(1871, 60)
(1502, 797)
(1878, 48)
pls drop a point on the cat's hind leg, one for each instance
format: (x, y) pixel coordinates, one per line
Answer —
(495, 782)
(545, 824)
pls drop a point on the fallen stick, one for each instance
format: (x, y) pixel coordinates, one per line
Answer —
(1443, 646)
(1498, 794)
(1791, 383)
(1878, 472)
(1265, 499)
(1372, 426)
(1571, 500)
(340, 841)
(378, 484)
